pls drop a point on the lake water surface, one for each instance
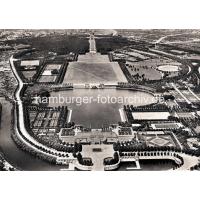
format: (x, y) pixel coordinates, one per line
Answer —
(102, 107)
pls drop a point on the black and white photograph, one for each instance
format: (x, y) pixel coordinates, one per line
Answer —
(99, 99)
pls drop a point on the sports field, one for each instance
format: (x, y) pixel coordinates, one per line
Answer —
(91, 72)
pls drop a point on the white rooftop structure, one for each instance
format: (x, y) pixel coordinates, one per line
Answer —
(150, 115)
(47, 73)
(30, 63)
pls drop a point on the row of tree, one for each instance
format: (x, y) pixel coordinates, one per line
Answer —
(83, 161)
(112, 160)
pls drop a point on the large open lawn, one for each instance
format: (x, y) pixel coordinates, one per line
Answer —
(81, 72)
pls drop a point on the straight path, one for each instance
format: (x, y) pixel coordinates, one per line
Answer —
(186, 99)
(193, 94)
(92, 44)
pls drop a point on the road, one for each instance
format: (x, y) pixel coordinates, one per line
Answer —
(92, 44)
(166, 36)
(186, 99)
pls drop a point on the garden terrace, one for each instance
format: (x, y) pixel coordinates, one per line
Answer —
(46, 120)
(53, 141)
(41, 152)
(131, 146)
(56, 143)
(47, 131)
(67, 132)
(148, 139)
(52, 72)
(159, 140)
(125, 131)
(28, 70)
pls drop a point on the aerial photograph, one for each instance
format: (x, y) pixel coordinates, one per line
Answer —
(99, 99)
